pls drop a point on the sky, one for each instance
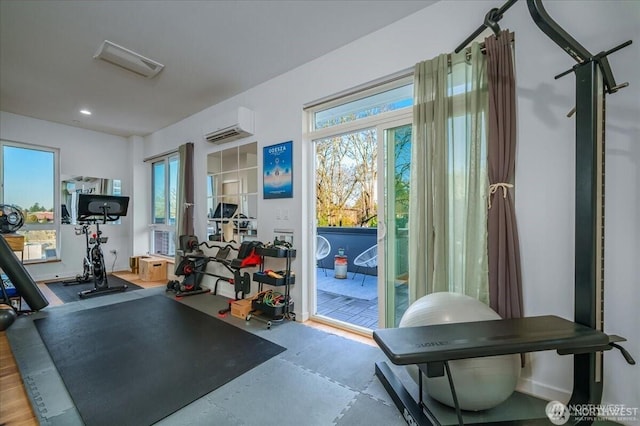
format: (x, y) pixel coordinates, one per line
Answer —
(28, 177)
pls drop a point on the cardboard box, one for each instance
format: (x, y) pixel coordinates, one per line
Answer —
(241, 308)
(153, 269)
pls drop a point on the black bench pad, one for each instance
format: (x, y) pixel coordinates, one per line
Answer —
(444, 342)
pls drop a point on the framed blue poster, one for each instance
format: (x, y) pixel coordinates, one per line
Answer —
(277, 175)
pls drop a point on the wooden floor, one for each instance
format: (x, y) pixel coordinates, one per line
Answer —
(15, 409)
(14, 404)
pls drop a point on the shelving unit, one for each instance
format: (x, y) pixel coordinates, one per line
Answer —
(274, 314)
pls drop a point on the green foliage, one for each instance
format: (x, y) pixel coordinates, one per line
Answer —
(346, 178)
(37, 208)
(402, 175)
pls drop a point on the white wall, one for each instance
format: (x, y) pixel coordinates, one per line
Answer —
(82, 153)
(139, 212)
(545, 171)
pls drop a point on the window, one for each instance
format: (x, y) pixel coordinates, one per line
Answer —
(345, 132)
(164, 199)
(30, 181)
(346, 110)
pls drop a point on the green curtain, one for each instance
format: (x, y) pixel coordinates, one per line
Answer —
(448, 203)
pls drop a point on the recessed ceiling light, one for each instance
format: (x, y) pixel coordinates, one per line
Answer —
(85, 112)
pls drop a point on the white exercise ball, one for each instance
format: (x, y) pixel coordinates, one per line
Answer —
(480, 383)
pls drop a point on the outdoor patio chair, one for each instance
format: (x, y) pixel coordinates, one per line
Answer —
(323, 248)
(366, 259)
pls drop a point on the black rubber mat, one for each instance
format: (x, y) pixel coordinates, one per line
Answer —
(69, 293)
(136, 362)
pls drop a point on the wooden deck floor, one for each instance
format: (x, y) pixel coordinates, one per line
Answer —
(352, 308)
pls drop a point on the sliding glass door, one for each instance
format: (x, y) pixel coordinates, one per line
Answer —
(395, 238)
(361, 148)
(362, 237)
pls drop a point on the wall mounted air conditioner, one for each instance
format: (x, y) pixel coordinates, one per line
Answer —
(236, 125)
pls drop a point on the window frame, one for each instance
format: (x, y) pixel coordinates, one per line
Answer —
(245, 174)
(380, 122)
(403, 78)
(166, 227)
(57, 213)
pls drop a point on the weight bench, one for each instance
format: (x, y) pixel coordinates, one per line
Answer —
(432, 347)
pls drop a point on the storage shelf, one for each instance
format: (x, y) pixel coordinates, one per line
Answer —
(276, 252)
(267, 313)
(262, 277)
(271, 311)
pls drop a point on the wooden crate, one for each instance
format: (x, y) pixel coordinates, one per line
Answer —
(134, 263)
(15, 241)
(153, 269)
(241, 308)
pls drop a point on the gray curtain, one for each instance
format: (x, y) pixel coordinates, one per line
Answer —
(447, 209)
(505, 282)
(184, 214)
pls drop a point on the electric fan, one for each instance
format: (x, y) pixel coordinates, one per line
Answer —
(11, 218)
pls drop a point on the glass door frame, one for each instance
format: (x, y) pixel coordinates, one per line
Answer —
(382, 123)
(387, 220)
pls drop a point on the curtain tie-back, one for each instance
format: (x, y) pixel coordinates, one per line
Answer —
(493, 188)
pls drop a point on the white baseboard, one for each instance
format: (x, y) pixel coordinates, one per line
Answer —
(541, 390)
(224, 289)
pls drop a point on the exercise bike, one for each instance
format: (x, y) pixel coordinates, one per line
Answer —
(87, 266)
(99, 208)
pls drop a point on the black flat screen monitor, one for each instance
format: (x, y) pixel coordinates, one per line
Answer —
(225, 211)
(108, 207)
(66, 217)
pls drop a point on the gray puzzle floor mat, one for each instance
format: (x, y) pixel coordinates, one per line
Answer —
(321, 379)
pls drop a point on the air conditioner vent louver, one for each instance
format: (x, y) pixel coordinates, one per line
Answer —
(237, 125)
(151, 65)
(227, 135)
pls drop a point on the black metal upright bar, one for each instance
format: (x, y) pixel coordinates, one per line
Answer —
(594, 79)
(556, 33)
(589, 233)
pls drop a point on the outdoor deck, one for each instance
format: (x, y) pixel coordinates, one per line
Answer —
(352, 300)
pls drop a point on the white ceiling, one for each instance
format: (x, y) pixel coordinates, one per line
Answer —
(212, 50)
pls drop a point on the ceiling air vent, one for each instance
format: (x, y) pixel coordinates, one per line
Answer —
(236, 125)
(128, 59)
